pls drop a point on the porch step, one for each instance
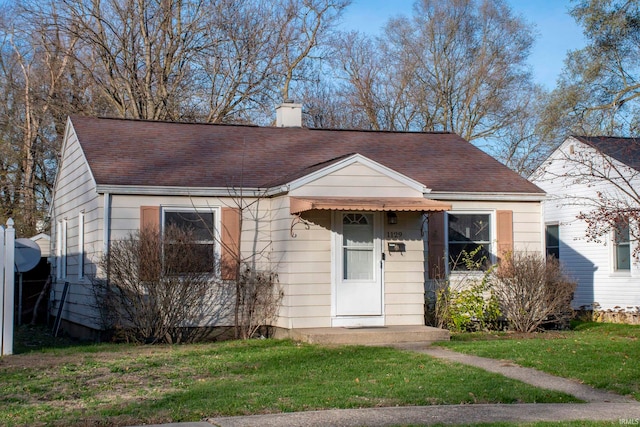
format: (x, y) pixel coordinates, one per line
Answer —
(375, 336)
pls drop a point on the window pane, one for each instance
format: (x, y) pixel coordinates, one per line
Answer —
(622, 247)
(358, 264)
(552, 236)
(469, 228)
(458, 252)
(189, 258)
(201, 223)
(468, 233)
(552, 241)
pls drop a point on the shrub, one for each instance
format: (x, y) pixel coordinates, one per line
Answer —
(259, 302)
(158, 288)
(469, 304)
(532, 290)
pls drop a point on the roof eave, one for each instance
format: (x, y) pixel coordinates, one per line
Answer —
(147, 190)
(496, 196)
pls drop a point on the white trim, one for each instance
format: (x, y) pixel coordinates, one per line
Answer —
(357, 321)
(81, 245)
(151, 190)
(217, 225)
(493, 235)
(613, 255)
(336, 272)
(40, 236)
(106, 223)
(488, 196)
(358, 158)
(61, 249)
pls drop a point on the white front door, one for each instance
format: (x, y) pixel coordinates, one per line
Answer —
(358, 260)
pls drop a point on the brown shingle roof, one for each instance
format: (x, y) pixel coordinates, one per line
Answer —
(625, 150)
(146, 153)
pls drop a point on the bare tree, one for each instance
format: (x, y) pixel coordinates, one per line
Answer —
(599, 91)
(34, 64)
(451, 66)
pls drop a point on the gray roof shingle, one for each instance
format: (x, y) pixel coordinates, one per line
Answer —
(625, 150)
(147, 153)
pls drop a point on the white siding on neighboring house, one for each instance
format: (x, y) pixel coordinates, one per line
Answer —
(75, 193)
(588, 262)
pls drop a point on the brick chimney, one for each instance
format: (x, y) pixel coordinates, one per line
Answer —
(289, 114)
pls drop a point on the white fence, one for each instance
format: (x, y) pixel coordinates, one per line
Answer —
(7, 286)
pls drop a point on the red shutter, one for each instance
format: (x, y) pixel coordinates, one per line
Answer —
(504, 220)
(230, 238)
(436, 245)
(150, 217)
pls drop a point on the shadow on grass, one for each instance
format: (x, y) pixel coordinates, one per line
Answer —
(30, 338)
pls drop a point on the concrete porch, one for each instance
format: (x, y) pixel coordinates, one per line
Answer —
(375, 336)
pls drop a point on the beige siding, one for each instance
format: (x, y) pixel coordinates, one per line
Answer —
(125, 218)
(74, 193)
(404, 272)
(527, 221)
(356, 180)
(303, 264)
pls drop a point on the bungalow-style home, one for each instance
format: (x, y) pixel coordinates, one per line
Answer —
(583, 175)
(354, 223)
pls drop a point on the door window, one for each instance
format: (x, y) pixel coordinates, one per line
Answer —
(357, 246)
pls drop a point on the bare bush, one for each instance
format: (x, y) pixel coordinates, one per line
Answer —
(159, 287)
(259, 300)
(532, 291)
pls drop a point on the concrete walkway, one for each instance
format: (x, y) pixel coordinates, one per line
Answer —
(600, 406)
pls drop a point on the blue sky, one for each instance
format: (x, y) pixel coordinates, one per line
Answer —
(557, 32)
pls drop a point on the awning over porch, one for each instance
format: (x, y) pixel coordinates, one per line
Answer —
(302, 204)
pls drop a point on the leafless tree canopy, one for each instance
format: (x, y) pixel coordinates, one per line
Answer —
(197, 60)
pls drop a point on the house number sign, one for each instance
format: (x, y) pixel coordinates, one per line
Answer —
(394, 234)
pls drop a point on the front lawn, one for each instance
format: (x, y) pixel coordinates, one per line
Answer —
(603, 355)
(110, 385)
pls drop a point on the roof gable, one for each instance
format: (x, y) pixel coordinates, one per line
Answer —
(625, 150)
(340, 164)
(164, 154)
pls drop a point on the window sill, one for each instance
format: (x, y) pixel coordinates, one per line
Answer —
(620, 273)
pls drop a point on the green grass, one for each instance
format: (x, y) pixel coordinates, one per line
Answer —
(600, 354)
(125, 385)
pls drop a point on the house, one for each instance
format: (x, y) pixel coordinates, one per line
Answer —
(353, 222)
(585, 177)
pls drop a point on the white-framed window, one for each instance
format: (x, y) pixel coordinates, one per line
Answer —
(81, 245)
(621, 247)
(552, 240)
(469, 236)
(203, 224)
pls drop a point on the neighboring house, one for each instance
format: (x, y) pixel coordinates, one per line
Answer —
(353, 222)
(581, 176)
(44, 242)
